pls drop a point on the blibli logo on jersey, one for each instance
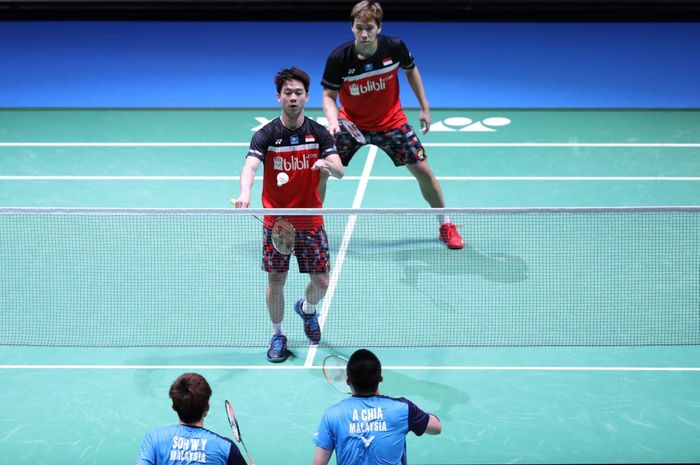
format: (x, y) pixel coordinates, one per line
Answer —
(293, 164)
(369, 86)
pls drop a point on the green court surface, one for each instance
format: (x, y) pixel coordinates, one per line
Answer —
(498, 404)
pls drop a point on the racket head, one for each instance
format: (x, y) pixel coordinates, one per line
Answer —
(283, 236)
(231, 415)
(334, 370)
(350, 128)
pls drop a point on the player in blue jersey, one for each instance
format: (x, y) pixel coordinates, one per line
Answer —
(369, 428)
(188, 442)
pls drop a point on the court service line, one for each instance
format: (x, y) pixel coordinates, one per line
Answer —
(356, 178)
(426, 144)
(347, 235)
(124, 144)
(564, 144)
(387, 367)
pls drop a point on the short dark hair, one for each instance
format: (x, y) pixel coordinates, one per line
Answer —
(364, 371)
(190, 394)
(289, 74)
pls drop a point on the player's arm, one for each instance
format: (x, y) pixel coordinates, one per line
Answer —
(434, 425)
(330, 109)
(416, 83)
(247, 177)
(331, 165)
(322, 456)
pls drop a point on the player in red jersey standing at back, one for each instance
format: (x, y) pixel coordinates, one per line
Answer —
(364, 74)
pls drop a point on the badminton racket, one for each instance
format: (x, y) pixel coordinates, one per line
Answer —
(334, 370)
(282, 231)
(235, 430)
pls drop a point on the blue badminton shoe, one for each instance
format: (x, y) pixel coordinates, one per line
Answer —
(278, 352)
(311, 326)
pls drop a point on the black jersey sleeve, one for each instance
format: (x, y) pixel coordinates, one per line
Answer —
(336, 67)
(260, 142)
(326, 146)
(405, 57)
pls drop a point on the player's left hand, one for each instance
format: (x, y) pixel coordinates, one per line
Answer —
(424, 122)
(321, 165)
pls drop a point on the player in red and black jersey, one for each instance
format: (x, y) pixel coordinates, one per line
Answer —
(295, 152)
(363, 73)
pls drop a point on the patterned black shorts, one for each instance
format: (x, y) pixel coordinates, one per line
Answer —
(401, 144)
(310, 248)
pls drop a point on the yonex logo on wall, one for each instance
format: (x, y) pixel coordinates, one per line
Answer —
(451, 124)
(463, 124)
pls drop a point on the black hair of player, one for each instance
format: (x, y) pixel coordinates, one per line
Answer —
(364, 372)
(292, 74)
(190, 394)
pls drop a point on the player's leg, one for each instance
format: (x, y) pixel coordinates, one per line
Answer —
(275, 306)
(315, 290)
(404, 148)
(314, 258)
(277, 266)
(428, 183)
(275, 299)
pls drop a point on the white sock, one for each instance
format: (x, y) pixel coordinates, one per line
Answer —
(278, 328)
(308, 308)
(444, 219)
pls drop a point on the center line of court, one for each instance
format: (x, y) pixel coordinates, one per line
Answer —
(335, 273)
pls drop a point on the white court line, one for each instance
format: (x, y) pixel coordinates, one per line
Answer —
(355, 178)
(425, 144)
(122, 178)
(124, 144)
(389, 367)
(562, 144)
(347, 235)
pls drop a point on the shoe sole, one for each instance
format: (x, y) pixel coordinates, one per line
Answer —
(287, 353)
(454, 247)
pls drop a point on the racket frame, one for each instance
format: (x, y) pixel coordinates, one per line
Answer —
(332, 380)
(283, 236)
(235, 429)
(353, 130)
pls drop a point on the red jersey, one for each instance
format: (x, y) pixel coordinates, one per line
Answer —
(369, 89)
(294, 152)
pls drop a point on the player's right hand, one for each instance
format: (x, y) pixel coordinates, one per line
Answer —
(240, 202)
(334, 128)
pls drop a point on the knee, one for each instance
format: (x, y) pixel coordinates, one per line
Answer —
(422, 172)
(275, 281)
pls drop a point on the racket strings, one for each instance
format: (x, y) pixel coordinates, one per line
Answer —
(335, 373)
(283, 236)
